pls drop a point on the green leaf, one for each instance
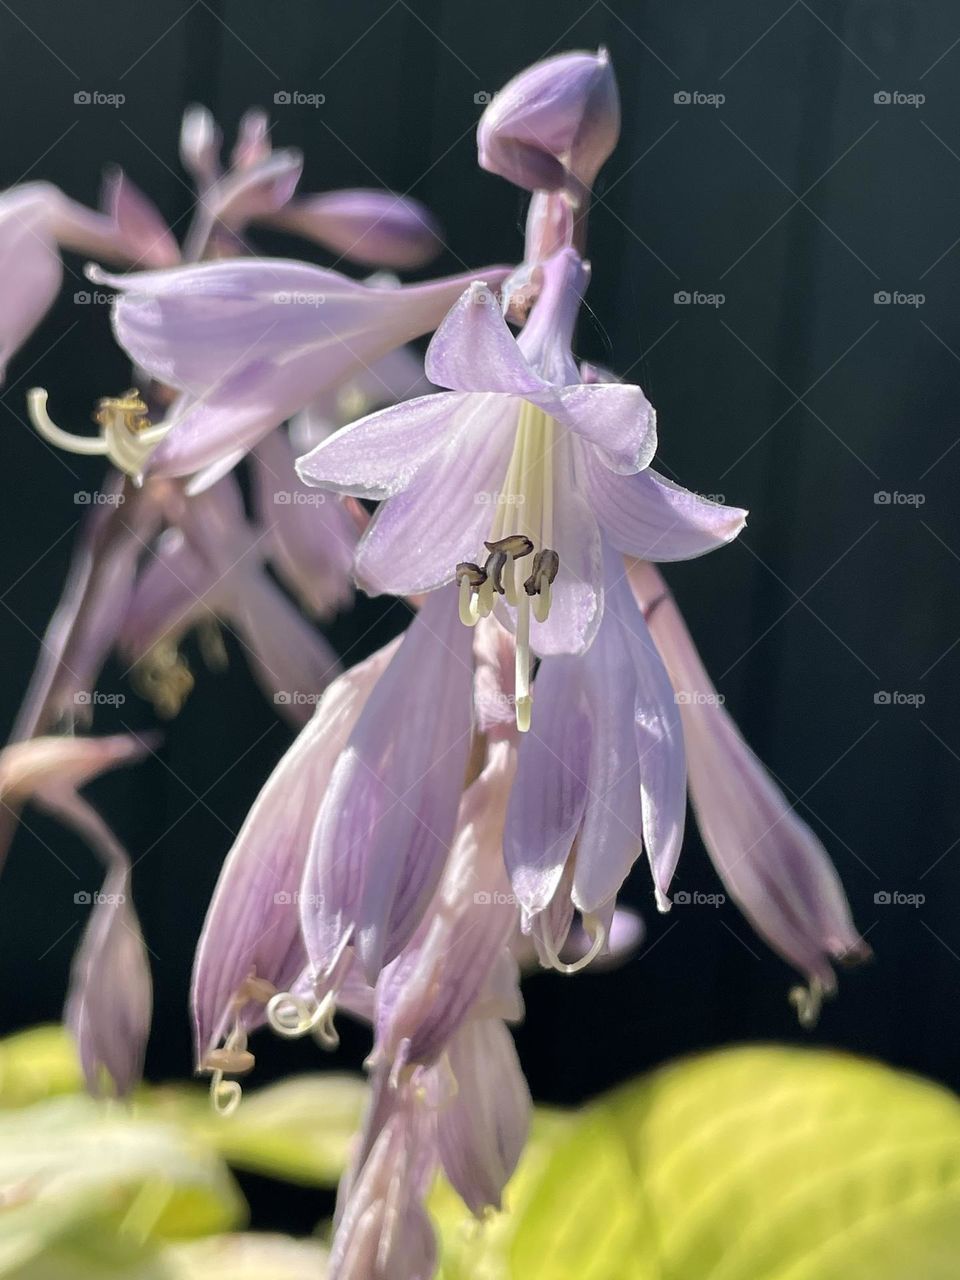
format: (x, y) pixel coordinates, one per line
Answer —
(760, 1163)
(300, 1130)
(87, 1187)
(248, 1257)
(36, 1064)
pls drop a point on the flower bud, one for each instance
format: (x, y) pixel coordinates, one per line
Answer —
(553, 126)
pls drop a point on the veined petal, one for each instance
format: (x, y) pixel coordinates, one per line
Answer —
(311, 538)
(252, 927)
(386, 824)
(482, 1130)
(416, 539)
(376, 228)
(648, 516)
(659, 742)
(770, 861)
(474, 350)
(378, 456)
(552, 784)
(616, 417)
(610, 838)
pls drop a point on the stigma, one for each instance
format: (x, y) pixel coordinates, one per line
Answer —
(519, 563)
(127, 437)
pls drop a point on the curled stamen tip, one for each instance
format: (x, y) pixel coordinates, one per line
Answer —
(807, 1001)
(664, 903)
(236, 1062)
(515, 545)
(225, 1095)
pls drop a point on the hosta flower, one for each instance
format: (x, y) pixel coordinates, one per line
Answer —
(554, 124)
(771, 863)
(36, 219)
(505, 481)
(249, 343)
(208, 569)
(387, 819)
(602, 777)
(109, 1002)
(251, 947)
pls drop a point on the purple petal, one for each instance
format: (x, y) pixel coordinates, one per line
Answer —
(253, 342)
(770, 861)
(375, 228)
(417, 538)
(474, 350)
(148, 239)
(550, 793)
(616, 417)
(387, 821)
(31, 269)
(648, 516)
(311, 537)
(482, 1131)
(252, 927)
(381, 454)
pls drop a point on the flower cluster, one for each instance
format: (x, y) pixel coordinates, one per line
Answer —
(468, 801)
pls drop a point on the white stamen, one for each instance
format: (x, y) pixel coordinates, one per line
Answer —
(807, 1002)
(126, 436)
(598, 935)
(291, 1016)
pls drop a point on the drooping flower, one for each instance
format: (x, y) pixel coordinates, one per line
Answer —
(553, 125)
(386, 823)
(249, 343)
(504, 482)
(602, 776)
(251, 946)
(109, 1001)
(771, 863)
(210, 568)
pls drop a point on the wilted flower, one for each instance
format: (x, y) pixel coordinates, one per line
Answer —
(771, 863)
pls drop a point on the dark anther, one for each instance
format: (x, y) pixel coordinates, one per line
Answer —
(472, 572)
(546, 563)
(493, 567)
(515, 545)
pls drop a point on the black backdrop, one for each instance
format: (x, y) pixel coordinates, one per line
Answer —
(799, 198)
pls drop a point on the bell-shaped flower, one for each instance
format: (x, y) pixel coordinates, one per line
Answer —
(109, 1002)
(553, 125)
(387, 821)
(772, 864)
(602, 776)
(251, 945)
(482, 1129)
(505, 481)
(249, 343)
(210, 569)
(427, 992)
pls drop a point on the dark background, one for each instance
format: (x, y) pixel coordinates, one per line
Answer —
(798, 198)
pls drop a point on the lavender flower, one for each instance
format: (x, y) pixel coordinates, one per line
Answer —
(603, 775)
(387, 819)
(554, 124)
(283, 333)
(251, 946)
(109, 1002)
(504, 482)
(772, 864)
